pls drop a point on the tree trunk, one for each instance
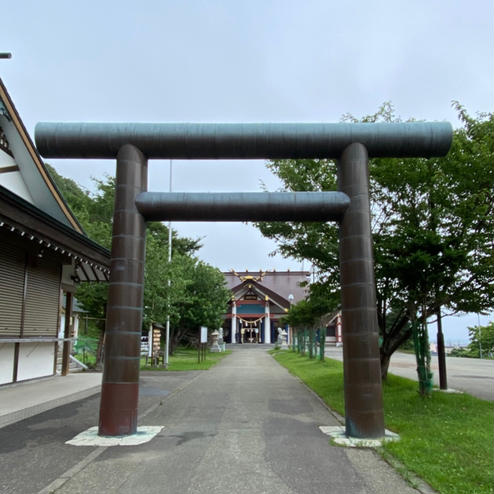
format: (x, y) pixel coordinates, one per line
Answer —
(385, 360)
(391, 342)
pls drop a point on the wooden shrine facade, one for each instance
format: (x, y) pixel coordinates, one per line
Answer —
(258, 303)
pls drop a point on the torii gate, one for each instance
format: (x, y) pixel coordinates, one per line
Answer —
(350, 144)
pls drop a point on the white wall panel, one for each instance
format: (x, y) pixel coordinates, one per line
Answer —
(14, 182)
(35, 360)
(6, 362)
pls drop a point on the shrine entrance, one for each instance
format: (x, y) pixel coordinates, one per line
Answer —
(255, 310)
(350, 144)
(250, 333)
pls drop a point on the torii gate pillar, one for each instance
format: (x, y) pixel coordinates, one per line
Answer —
(120, 389)
(361, 364)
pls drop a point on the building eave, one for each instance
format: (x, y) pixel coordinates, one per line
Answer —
(277, 299)
(36, 158)
(92, 261)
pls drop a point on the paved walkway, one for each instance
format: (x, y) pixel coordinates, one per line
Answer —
(25, 399)
(246, 426)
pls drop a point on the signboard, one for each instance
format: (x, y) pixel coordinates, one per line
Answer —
(204, 334)
(156, 342)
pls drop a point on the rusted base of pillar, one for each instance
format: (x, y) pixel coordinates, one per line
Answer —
(116, 418)
(369, 425)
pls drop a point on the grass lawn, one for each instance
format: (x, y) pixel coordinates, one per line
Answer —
(447, 440)
(185, 359)
(88, 359)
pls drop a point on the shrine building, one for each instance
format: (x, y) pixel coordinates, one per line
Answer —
(259, 300)
(44, 255)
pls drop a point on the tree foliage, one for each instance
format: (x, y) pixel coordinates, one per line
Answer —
(481, 343)
(196, 295)
(482, 339)
(431, 224)
(307, 313)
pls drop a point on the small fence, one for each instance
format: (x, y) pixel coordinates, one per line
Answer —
(309, 342)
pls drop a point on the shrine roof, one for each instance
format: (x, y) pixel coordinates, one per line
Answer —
(281, 283)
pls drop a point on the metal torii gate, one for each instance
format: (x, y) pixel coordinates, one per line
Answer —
(350, 144)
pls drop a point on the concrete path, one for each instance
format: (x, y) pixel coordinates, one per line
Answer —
(245, 426)
(25, 399)
(470, 375)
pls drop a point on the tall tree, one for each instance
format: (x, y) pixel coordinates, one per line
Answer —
(197, 295)
(482, 341)
(307, 313)
(203, 303)
(433, 234)
(432, 228)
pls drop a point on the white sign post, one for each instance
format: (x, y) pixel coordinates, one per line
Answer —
(201, 354)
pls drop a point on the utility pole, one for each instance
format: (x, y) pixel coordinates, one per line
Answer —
(480, 336)
(169, 282)
(441, 355)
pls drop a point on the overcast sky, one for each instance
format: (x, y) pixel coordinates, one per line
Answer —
(242, 61)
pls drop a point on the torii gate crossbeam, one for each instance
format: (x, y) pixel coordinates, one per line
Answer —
(350, 144)
(242, 206)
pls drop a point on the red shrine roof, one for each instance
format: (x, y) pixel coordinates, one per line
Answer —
(283, 283)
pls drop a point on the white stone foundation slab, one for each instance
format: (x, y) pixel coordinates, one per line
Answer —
(337, 434)
(90, 437)
(449, 390)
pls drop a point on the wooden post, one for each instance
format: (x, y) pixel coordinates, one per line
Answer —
(66, 335)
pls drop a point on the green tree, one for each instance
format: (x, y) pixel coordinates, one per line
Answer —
(308, 312)
(481, 340)
(432, 229)
(204, 301)
(300, 315)
(433, 235)
(77, 198)
(197, 295)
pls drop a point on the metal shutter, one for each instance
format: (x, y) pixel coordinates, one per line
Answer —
(12, 262)
(42, 298)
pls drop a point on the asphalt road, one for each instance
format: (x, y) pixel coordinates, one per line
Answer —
(473, 376)
(245, 426)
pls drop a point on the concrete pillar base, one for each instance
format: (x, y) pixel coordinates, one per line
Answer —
(339, 437)
(90, 437)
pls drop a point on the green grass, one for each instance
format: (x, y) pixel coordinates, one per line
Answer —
(447, 439)
(89, 359)
(185, 359)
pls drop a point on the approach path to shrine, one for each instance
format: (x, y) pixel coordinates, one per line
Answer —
(245, 426)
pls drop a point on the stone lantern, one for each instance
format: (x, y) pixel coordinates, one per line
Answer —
(214, 345)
